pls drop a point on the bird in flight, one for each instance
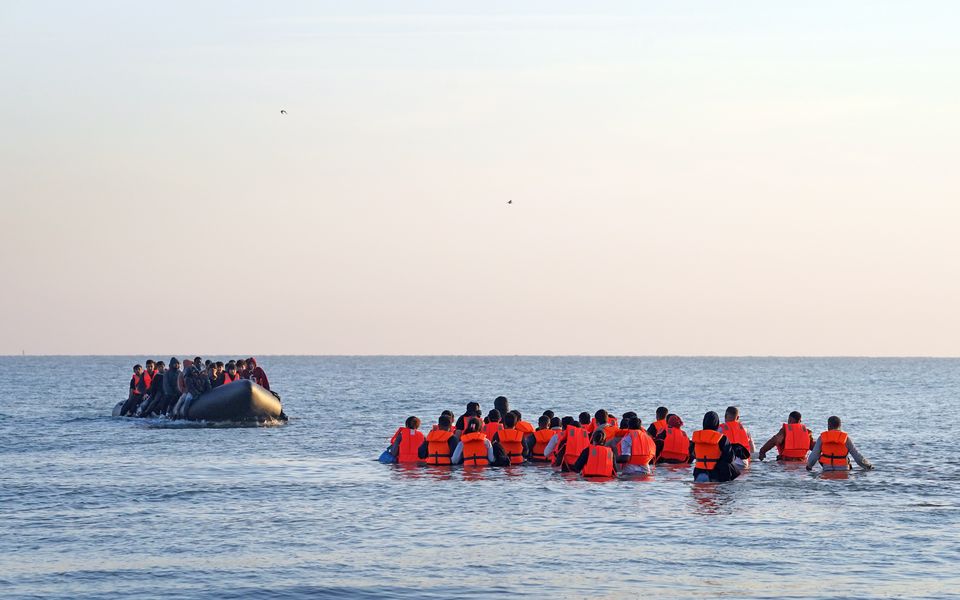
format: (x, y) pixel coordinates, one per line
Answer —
(509, 201)
(283, 112)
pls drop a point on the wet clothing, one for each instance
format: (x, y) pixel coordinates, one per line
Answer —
(626, 451)
(435, 450)
(852, 451)
(724, 468)
(779, 441)
(584, 458)
(458, 452)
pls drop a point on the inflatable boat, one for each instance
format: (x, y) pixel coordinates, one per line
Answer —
(241, 400)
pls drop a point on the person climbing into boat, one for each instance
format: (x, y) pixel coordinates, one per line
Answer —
(637, 450)
(406, 443)
(793, 441)
(660, 424)
(713, 453)
(474, 448)
(596, 460)
(834, 448)
(735, 433)
(673, 445)
(439, 445)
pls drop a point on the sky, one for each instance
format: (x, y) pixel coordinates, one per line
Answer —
(687, 178)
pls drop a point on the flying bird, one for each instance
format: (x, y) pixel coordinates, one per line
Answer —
(509, 201)
(283, 112)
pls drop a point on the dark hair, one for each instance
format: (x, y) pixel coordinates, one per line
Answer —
(493, 415)
(502, 404)
(207, 363)
(472, 425)
(543, 421)
(598, 437)
(197, 360)
(601, 416)
(517, 414)
(662, 412)
(160, 363)
(509, 420)
(554, 422)
(584, 418)
(231, 366)
(711, 420)
(629, 413)
(150, 362)
(219, 364)
(833, 423)
(447, 413)
(795, 415)
(568, 420)
(137, 366)
(549, 413)
(412, 423)
(635, 423)
(443, 421)
(473, 406)
(625, 422)
(732, 411)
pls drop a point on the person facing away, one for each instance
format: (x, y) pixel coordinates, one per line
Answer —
(597, 459)
(586, 423)
(439, 445)
(501, 404)
(555, 443)
(511, 440)
(575, 439)
(673, 445)
(406, 442)
(602, 421)
(792, 442)
(637, 450)
(474, 448)
(473, 410)
(257, 374)
(834, 449)
(735, 433)
(493, 424)
(541, 437)
(713, 453)
(660, 424)
(449, 415)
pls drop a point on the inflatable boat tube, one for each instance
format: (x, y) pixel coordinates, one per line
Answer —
(116, 409)
(241, 400)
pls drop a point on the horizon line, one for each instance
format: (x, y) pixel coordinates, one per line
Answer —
(878, 356)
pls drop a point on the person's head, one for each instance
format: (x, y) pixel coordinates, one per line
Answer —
(634, 423)
(674, 421)
(509, 420)
(731, 414)
(412, 423)
(601, 417)
(543, 422)
(444, 422)
(231, 367)
(174, 363)
(502, 404)
(251, 363)
(160, 366)
(472, 407)
(517, 415)
(629, 414)
(662, 412)
(549, 413)
(197, 361)
(241, 364)
(711, 420)
(493, 416)
(833, 423)
(584, 418)
(151, 366)
(220, 365)
(567, 421)
(598, 437)
(207, 363)
(794, 417)
(137, 369)
(473, 425)
(449, 414)
(187, 363)
(555, 422)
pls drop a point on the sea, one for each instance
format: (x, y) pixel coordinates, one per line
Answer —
(93, 506)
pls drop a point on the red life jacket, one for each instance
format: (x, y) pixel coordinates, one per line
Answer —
(474, 448)
(512, 442)
(227, 379)
(660, 425)
(642, 447)
(599, 462)
(676, 445)
(796, 442)
(147, 380)
(541, 438)
(576, 440)
(438, 447)
(525, 428)
(491, 428)
(706, 448)
(833, 449)
(135, 383)
(410, 442)
(735, 433)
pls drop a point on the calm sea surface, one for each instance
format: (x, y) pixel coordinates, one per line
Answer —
(99, 507)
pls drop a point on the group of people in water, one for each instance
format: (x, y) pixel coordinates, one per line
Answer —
(601, 446)
(161, 389)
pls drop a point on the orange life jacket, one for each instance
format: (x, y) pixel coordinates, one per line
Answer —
(706, 448)
(463, 420)
(393, 438)
(147, 378)
(735, 433)
(524, 427)
(610, 433)
(410, 442)
(438, 447)
(659, 425)
(589, 427)
(676, 445)
(512, 442)
(599, 462)
(642, 447)
(227, 379)
(796, 442)
(833, 449)
(577, 440)
(474, 448)
(611, 420)
(541, 438)
(135, 382)
(491, 428)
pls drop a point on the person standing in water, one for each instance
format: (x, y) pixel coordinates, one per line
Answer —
(660, 424)
(792, 442)
(637, 449)
(713, 453)
(834, 449)
(474, 448)
(673, 443)
(597, 459)
(733, 430)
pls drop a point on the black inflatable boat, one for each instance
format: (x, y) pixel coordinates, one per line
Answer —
(241, 400)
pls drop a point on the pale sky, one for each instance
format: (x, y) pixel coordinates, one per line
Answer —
(688, 178)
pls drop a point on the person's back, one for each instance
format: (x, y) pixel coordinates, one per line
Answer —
(659, 424)
(541, 437)
(637, 449)
(596, 460)
(440, 443)
(493, 424)
(793, 441)
(407, 441)
(510, 439)
(834, 448)
(676, 444)
(474, 448)
(736, 434)
(576, 439)
(713, 453)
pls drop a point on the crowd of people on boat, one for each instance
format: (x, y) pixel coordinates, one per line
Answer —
(168, 389)
(603, 446)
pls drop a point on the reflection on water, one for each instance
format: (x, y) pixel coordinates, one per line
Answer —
(96, 507)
